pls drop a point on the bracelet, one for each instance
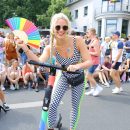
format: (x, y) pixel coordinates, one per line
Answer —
(26, 51)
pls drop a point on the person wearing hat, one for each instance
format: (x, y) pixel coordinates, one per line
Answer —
(117, 52)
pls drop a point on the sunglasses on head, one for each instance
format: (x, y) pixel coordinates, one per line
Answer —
(58, 27)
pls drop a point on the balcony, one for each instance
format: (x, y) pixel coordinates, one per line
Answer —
(71, 2)
(112, 9)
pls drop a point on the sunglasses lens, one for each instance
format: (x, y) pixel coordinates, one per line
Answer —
(65, 28)
(57, 27)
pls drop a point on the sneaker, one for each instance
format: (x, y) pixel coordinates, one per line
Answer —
(97, 91)
(12, 87)
(129, 79)
(36, 90)
(110, 82)
(107, 85)
(90, 92)
(116, 90)
(25, 86)
(6, 107)
(29, 85)
(17, 86)
(2, 88)
(87, 86)
(121, 89)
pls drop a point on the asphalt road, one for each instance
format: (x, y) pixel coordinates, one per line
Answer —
(106, 112)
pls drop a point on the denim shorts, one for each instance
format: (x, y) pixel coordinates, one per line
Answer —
(127, 55)
(92, 69)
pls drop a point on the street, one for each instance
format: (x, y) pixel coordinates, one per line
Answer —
(106, 112)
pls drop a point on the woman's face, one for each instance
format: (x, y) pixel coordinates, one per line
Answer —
(107, 40)
(15, 63)
(11, 36)
(106, 59)
(89, 34)
(61, 29)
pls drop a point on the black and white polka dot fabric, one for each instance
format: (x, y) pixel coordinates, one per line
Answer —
(62, 87)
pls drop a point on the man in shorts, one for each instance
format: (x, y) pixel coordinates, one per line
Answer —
(94, 50)
(117, 52)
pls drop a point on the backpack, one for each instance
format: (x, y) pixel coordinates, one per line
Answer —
(108, 50)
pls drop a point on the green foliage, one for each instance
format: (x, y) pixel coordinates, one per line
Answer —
(123, 35)
(56, 6)
(38, 11)
(67, 12)
(23, 8)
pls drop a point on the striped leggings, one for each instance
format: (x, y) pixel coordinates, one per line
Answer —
(76, 94)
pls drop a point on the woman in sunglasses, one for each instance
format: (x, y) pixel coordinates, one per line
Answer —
(70, 51)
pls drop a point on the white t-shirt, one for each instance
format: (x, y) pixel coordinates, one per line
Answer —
(104, 47)
(116, 45)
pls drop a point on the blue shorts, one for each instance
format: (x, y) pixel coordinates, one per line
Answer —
(92, 69)
(116, 67)
(127, 55)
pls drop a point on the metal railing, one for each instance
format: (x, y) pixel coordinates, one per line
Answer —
(120, 8)
(70, 2)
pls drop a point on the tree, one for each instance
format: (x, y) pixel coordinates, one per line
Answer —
(56, 6)
(22, 8)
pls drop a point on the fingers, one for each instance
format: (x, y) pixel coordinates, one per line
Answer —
(72, 68)
(19, 41)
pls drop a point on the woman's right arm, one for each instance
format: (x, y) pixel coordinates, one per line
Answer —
(31, 56)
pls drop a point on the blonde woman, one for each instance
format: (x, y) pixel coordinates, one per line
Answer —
(105, 48)
(68, 51)
(28, 74)
(10, 50)
(14, 74)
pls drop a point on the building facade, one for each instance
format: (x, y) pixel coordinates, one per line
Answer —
(104, 15)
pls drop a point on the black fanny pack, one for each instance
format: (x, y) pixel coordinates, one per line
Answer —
(75, 81)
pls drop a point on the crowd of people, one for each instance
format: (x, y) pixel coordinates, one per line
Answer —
(105, 61)
(111, 60)
(15, 72)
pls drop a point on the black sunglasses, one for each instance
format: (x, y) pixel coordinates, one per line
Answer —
(58, 27)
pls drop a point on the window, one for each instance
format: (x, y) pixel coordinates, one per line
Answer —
(70, 1)
(125, 27)
(99, 28)
(85, 29)
(85, 10)
(111, 7)
(111, 26)
(76, 14)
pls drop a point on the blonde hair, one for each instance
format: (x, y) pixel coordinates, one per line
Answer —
(93, 31)
(107, 38)
(11, 34)
(54, 19)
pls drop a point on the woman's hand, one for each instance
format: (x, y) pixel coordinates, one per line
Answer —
(73, 68)
(20, 44)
